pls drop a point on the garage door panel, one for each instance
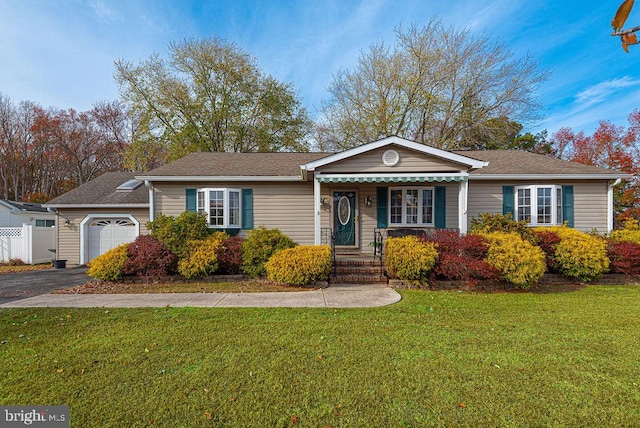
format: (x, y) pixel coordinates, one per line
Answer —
(105, 234)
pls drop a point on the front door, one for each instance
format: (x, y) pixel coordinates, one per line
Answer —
(344, 218)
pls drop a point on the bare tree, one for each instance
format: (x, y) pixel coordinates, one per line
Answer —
(15, 141)
(209, 96)
(435, 85)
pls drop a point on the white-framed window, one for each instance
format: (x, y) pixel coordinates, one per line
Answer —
(45, 223)
(411, 206)
(539, 205)
(221, 206)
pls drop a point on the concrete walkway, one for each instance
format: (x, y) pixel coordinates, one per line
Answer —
(335, 296)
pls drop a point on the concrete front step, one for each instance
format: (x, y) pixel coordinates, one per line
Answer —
(357, 262)
(359, 279)
(364, 270)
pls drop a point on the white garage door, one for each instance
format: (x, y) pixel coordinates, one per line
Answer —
(107, 233)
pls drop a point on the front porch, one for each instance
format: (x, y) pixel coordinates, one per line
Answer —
(361, 217)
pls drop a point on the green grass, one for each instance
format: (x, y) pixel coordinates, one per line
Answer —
(434, 359)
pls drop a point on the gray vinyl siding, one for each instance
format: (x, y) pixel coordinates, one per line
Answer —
(590, 200)
(410, 161)
(276, 205)
(289, 206)
(69, 235)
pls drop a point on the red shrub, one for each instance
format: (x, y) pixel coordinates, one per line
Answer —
(460, 268)
(451, 242)
(547, 240)
(461, 257)
(624, 257)
(149, 257)
(230, 256)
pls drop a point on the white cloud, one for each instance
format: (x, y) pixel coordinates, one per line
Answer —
(603, 91)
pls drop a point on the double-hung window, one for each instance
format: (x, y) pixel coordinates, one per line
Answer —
(221, 207)
(411, 206)
(539, 205)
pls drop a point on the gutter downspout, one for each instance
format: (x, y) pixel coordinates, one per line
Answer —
(151, 200)
(610, 205)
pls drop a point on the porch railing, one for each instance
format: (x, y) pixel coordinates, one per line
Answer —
(378, 246)
(327, 237)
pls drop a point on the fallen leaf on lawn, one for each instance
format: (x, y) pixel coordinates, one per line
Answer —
(146, 350)
(294, 419)
(60, 370)
(207, 415)
(233, 399)
(462, 405)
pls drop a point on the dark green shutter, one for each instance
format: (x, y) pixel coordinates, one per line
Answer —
(567, 205)
(382, 213)
(440, 208)
(191, 200)
(247, 208)
(508, 200)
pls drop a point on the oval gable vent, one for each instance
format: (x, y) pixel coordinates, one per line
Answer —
(390, 158)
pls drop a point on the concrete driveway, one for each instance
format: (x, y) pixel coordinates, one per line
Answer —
(21, 285)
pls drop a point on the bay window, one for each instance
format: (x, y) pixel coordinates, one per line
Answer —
(221, 207)
(411, 206)
(539, 205)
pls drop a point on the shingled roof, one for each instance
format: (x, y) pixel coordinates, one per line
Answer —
(101, 191)
(501, 162)
(24, 206)
(521, 163)
(223, 164)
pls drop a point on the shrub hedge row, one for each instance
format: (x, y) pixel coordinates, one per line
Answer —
(497, 248)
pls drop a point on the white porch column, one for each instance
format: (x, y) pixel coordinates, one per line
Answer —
(462, 206)
(316, 209)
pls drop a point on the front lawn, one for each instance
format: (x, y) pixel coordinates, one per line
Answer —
(434, 359)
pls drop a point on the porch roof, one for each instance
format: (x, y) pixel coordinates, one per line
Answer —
(393, 178)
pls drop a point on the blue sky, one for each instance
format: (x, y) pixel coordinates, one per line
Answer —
(61, 52)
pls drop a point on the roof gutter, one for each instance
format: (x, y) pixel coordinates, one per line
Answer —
(549, 176)
(58, 206)
(183, 178)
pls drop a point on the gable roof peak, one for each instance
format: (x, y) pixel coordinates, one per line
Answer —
(398, 141)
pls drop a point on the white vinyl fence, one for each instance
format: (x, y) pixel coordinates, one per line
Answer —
(28, 243)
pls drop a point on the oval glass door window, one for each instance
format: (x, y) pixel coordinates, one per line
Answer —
(344, 210)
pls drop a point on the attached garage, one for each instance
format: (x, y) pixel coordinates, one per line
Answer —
(101, 214)
(107, 233)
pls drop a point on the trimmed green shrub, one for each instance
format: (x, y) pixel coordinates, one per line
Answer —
(109, 266)
(489, 223)
(260, 245)
(300, 265)
(409, 258)
(202, 258)
(176, 232)
(149, 257)
(579, 255)
(518, 261)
